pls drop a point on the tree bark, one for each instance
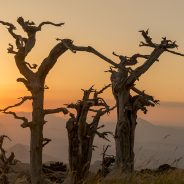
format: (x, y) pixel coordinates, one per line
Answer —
(125, 130)
(37, 135)
(124, 139)
(80, 154)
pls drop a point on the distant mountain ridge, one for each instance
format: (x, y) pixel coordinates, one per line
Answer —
(22, 153)
(156, 143)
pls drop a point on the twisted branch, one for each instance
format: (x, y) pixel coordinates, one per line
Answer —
(147, 38)
(174, 52)
(48, 63)
(25, 82)
(31, 28)
(26, 122)
(11, 49)
(128, 61)
(49, 23)
(23, 99)
(45, 141)
(142, 93)
(102, 90)
(142, 100)
(57, 110)
(90, 49)
(33, 66)
(159, 49)
(104, 135)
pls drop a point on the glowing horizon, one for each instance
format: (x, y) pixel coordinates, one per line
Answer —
(113, 27)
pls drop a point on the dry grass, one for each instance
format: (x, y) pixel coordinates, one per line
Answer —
(170, 177)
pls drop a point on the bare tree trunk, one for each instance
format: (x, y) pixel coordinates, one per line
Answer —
(36, 156)
(79, 160)
(124, 135)
(37, 137)
(124, 139)
(81, 134)
(127, 108)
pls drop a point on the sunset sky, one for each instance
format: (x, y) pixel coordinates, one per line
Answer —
(107, 25)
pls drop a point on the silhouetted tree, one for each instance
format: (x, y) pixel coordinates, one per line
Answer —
(107, 161)
(81, 133)
(123, 79)
(35, 83)
(5, 161)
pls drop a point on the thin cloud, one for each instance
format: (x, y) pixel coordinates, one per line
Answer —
(172, 104)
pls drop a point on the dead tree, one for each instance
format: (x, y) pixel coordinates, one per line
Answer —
(123, 79)
(81, 133)
(107, 161)
(34, 81)
(5, 161)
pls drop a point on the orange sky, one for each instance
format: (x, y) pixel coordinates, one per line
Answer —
(108, 26)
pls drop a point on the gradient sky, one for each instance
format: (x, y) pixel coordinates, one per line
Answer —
(107, 25)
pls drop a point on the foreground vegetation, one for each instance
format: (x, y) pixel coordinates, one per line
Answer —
(170, 177)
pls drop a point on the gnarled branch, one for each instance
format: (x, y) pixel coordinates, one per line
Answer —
(31, 29)
(102, 90)
(99, 113)
(49, 23)
(165, 45)
(11, 49)
(23, 99)
(90, 49)
(25, 82)
(50, 61)
(20, 54)
(104, 135)
(33, 66)
(26, 122)
(19, 39)
(142, 100)
(133, 59)
(142, 93)
(147, 38)
(174, 52)
(45, 141)
(57, 110)
(128, 61)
